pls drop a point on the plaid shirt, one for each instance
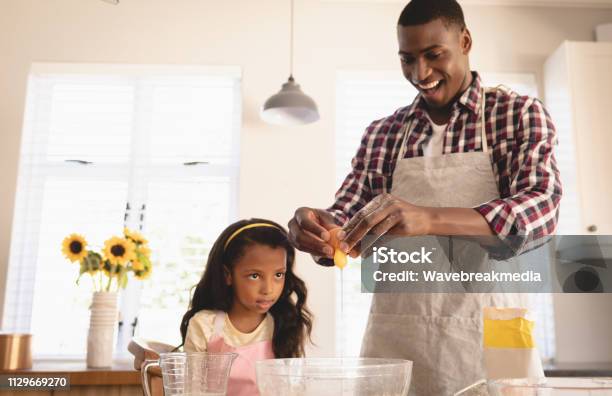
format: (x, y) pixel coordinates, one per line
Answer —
(520, 135)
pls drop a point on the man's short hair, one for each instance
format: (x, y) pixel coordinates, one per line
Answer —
(420, 12)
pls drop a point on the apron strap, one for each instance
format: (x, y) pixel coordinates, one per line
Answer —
(405, 133)
(483, 123)
(219, 323)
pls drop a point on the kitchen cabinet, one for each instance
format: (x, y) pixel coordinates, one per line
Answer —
(578, 94)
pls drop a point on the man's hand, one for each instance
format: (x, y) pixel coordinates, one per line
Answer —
(385, 214)
(308, 231)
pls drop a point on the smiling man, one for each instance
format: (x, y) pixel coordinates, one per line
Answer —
(461, 160)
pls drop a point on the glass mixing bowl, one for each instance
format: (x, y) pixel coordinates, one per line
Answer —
(333, 377)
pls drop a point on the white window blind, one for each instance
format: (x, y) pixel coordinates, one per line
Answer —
(362, 97)
(154, 148)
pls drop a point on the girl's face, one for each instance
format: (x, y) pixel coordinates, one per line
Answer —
(258, 277)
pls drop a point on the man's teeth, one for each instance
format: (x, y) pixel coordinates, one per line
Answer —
(430, 85)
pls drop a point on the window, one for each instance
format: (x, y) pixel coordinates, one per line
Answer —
(154, 148)
(363, 97)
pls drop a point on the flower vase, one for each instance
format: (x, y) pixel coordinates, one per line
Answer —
(102, 325)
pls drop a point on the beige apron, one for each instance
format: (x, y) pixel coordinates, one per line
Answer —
(440, 332)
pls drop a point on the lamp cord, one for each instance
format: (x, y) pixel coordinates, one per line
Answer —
(291, 45)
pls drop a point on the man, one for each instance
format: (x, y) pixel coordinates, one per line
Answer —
(458, 161)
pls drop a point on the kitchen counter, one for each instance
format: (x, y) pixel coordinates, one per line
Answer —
(578, 370)
(120, 379)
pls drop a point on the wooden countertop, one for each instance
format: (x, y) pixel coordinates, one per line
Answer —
(121, 373)
(578, 370)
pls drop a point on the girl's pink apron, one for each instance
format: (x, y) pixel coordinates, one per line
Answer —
(242, 381)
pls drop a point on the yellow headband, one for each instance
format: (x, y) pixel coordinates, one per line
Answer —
(246, 227)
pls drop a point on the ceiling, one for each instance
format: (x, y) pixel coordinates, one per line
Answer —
(533, 3)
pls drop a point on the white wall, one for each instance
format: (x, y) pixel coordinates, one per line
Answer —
(583, 327)
(281, 168)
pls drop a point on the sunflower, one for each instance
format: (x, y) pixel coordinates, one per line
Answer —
(144, 250)
(118, 251)
(74, 247)
(142, 261)
(137, 266)
(134, 236)
(142, 267)
(144, 274)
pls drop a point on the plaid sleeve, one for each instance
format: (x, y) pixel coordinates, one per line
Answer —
(356, 190)
(529, 214)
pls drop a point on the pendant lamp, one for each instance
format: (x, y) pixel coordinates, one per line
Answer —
(290, 106)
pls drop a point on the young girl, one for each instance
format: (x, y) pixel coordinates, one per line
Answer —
(249, 302)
